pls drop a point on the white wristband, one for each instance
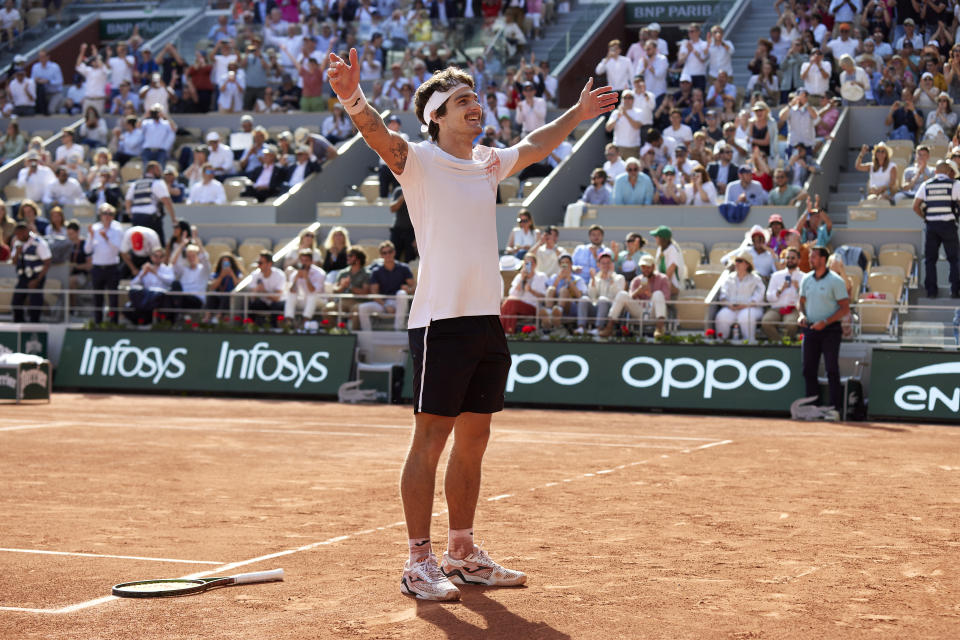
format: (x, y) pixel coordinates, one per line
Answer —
(356, 103)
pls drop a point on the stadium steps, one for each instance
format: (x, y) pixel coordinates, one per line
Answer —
(576, 22)
(754, 24)
(187, 39)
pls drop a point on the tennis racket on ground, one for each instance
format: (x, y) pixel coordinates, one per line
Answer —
(185, 587)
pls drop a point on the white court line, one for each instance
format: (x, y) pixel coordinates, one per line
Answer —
(39, 425)
(585, 443)
(313, 545)
(102, 555)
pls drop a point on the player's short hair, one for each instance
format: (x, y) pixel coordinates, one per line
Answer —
(442, 81)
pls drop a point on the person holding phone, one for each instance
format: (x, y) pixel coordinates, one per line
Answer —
(528, 288)
(783, 293)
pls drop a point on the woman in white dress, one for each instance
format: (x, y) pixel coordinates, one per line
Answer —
(884, 180)
(523, 236)
(742, 294)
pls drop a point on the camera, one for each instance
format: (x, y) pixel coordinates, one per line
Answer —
(301, 266)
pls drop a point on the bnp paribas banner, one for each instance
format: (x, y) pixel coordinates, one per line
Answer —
(703, 377)
(915, 384)
(214, 362)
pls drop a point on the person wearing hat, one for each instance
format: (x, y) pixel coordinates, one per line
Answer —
(746, 190)
(693, 54)
(103, 244)
(941, 121)
(910, 34)
(320, 148)
(156, 92)
(531, 112)
(34, 177)
(175, 187)
(649, 291)
(23, 92)
(938, 202)
(32, 257)
(148, 197)
(742, 294)
(783, 294)
(774, 227)
(763, 259)
(208, 190)
(669, 258)
(669, 187)
(136, 247)
(268, 178)
(221, 156)
(883, 179)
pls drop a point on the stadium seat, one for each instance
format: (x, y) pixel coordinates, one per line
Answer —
(6, 293)
(888, 280)
(132, 170)
(42, 133)
(855, 274)
(530, 185)
(691, 258)
(250, 252)
(52, 300)
(868, 251)
(83, 210)
(195, 133)
(227, 240)
(35, 16)
(693, 245)
(216, 249)
(354, 201)
(899, 254)
(938, 151)
(370, 188)
(692, 310)
(509, 188)
(13, 191)
(705, 278)
(223, 131)
(899, 145)
(508, 277)
(876, 316)
(720, 249)
(233, 187)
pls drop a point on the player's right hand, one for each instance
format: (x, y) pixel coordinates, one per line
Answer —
(344, 78)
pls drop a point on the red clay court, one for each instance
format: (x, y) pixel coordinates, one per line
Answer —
(629, 525)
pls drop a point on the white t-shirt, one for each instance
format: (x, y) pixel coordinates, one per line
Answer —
(9, 19)
(95, 80)
(212, 193)
(721, 58)
(119, 71)
(538, 283)
(151, 241)
(693, 64)
(459, 271)
(624, 133)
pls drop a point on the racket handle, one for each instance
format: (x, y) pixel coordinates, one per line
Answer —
(259, 576)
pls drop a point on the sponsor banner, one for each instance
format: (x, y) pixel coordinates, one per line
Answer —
(667, 12)
(920, 385)
(30, 342)
(116, 28)
(30, 379)
(218, 362)
(737, 378)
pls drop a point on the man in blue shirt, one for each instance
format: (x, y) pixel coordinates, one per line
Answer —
(49, 80)
(746, 190)
(633, 187)
(823, 302)
(391, 278)
(585, 255)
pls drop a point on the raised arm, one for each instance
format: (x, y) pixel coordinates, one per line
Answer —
(345, 82)
(538, 144)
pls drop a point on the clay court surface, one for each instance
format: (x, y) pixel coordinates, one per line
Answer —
(629, 525)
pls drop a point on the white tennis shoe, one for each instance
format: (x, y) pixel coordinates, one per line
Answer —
(425, 580)
(478, 568)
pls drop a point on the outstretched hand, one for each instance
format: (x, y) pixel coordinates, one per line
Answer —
(344, 78)
(594, 102)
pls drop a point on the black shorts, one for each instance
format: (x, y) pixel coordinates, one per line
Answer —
(459, 365)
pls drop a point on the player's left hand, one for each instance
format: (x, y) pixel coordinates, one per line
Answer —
(594, 102)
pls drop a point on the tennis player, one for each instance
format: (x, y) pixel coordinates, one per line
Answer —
(460, 355)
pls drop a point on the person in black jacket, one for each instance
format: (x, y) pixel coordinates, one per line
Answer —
(302, 168)
(268, 179)
(722, 171)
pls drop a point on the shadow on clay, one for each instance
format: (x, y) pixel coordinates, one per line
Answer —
(500, 622)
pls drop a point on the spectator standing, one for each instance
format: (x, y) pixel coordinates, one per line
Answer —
(743, 292)
(103, 244)
(625, 122)
(11, 22)
(32, 258)
(531, 111)
(617, 67)
(800, 117)
(200, 82)
(147, 198)
(633, 187)
(720, 52)
(693, 55)
(23, 92)
(122, 66)
(823, 304)
(936, 203)
(230, 98)
(48, 78)
(389, 278)
(815, 74)
(13, 143)
(653, 66)
(96, 78)
(304, 286)
(783, 294)
(158, 136)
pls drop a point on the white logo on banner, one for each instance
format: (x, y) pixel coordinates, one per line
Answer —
(912, 397)
(268, 365)
(127, 361)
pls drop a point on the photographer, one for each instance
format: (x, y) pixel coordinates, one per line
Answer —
(304, 284)
(903, 118)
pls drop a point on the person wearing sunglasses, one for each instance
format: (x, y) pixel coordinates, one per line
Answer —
(208, 190)
(523, 236)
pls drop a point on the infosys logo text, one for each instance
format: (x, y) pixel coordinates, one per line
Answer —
(912, 397)
(128, 361)
(268, 365)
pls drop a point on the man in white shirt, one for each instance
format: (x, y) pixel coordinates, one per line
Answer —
(625, 124)
(269, 284)
(208, 190)
(815, 74)
(618, 67)
(692, 54)
(23, 92)
(304, 286)
(221, 156)
(122, 66)
(844, 45)
(193, 274)
(10, 21)
(34, 177)
(643, 101)
(531, 111)
(104, 240)
(95, 80)
(654, 67)
(720, 53)
(614, 164)
(783, 294)
(460, 356)
(909, 35)
(137, 246)
(64, 191)
(678, 131)
(845, 10)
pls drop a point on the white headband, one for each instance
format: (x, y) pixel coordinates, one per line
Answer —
(437, 99)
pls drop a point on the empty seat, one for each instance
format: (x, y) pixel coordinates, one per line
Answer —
(370, 188)
(691, 309)
(6, 293)
(720, 249)
(693, 245)
(250, 252)
(530, 185)
(938, 151)
(216, 249)
(897, 254)
(856, 275)
(35, 16)
(900, 145)
(509, 188)
(691, 258)
(227, 240)
(888, 280)
(876, 316)
(42, 133)
(13, 191)
(233, 187)
(132, 170)
(705, 278)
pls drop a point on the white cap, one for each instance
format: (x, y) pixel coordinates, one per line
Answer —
(685, 77)
(654, 26)
(213, 135)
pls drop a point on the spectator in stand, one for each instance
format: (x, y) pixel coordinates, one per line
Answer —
(64, 191)
(159, 135)
(633, 187)
(720, 54)
(916, 174)
(48, 78)
(157, 92)
(746, 190)
(692, 53)
(585, 255)
(743, 294)
(815, 226)
(303, 168)
(103, 244)
(531, 111)
(883, 181)
(226, 275)
(321, 148)
(312, 73)
(909, 34)
(701, 150)
(73, 102)
(13, 143)
(904, 118)
(148, 289)
(221, 156)
(524, 236)
(816, 76)
(199, 82)
(699, 191)
(604, 285)
(624, 122)
(23, 92)
(523, 297)
(11, 22)
(268, 178)
(304, 287)
(122, 66)
(79, 261)
(123, 97)
(34, 177)
(174, 187)
(722, 171)
(763, 258)
(720, 88)
(269, 283)
(626, 261)
(784, 193)
(230, 99)
(29, 212)
(138, 245)
(96, 77)
(617, 67)
(250, 159)
(844, 44)
(925, 96)
(677, 132)
(853, 76)
(336, 245)
(597, 193)
(653, 66)
(389, 278)
(614, 165)
(766, 83)
(783, 294)
(337, 127)
(649, 291)
(104, 189)
(942, 121)
(93, 130)
(666, 189)
(774, 231)
(353, 279)
(800, 117)
(129, 142)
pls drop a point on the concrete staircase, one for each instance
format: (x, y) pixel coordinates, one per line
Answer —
(564, 32)
(754, 23)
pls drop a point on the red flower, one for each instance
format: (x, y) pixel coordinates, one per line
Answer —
(719, 335)
(710, 333)
(139, 320)
(528, 328)
(280, 318)
(112, 314)
(194, 325)
(162, 316)
(248, 321)
(237, 319)
(341, 325)
(325, 321)
(801, 337)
